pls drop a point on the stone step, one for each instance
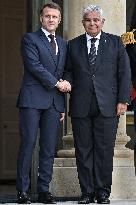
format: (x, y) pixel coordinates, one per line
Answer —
(114, 202)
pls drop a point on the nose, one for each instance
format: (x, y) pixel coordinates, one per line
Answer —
(92, 22)
(51, 18)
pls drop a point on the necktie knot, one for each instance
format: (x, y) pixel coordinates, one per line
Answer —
(51, 37)
(93, 40)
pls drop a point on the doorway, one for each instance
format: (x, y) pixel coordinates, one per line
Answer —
(13, 18)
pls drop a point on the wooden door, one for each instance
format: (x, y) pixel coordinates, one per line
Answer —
(12, 26)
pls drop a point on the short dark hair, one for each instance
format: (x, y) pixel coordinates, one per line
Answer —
(51, 5)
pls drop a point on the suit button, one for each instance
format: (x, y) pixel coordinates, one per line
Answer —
(93, 76)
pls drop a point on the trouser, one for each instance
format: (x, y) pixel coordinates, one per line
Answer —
(48, 123)
(94, 140)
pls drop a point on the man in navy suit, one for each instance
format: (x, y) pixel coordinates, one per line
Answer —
(41, 102)
(99, 72)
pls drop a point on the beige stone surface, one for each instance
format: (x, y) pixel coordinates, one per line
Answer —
(120, 150)
(114, 13)
(65, 178)
(124, 183)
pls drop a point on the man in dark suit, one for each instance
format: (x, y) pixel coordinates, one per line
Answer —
(99, 72)
(40, 102)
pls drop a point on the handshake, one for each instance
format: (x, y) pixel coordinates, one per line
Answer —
(63, 86)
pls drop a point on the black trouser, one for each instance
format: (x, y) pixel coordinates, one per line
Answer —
(94, 139)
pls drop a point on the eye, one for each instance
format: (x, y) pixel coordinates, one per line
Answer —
(87, 20)
(46, 16)
(96, 20)
(54, 17)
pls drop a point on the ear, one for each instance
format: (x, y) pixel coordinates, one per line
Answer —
(103, 20)
(83, 23)
(41, 19)
(59, 19)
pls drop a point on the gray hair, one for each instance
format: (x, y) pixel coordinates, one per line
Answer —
(91, 8)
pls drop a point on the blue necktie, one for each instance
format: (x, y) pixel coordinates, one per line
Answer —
(92, 53)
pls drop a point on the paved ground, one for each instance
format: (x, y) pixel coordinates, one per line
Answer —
(114, 202)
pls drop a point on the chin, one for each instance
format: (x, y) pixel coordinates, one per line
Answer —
(93, 34)
(51, 30)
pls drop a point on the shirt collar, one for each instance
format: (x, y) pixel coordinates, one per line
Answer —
(47, 33)
(89, 37)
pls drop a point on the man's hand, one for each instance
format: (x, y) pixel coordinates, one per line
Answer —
(121, 108)
(62, 116)
(64, 86)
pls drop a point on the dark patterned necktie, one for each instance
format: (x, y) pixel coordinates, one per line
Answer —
(52, 42)
(92, 54)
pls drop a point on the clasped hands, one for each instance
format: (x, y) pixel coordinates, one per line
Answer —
(64, 86)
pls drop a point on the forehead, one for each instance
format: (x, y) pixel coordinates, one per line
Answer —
(93, 14)
(52, 11)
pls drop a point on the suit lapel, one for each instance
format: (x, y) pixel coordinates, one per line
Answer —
(83, 50)
(47, 44)
(102, 50)
(60, 47)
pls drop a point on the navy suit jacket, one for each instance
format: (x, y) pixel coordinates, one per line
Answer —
(41, 72)
(111, 78)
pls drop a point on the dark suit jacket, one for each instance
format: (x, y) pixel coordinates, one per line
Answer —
(111, 79)
(41, 72)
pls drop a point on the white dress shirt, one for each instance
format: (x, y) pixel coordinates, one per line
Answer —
(88, 37)
(47, 35)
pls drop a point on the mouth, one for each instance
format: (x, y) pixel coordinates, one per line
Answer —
(92, 29)
(51, 24)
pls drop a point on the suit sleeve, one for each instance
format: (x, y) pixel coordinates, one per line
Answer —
(32, 63)
(68, 74)
(124, 74)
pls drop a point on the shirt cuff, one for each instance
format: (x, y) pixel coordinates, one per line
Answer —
(57, 83)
